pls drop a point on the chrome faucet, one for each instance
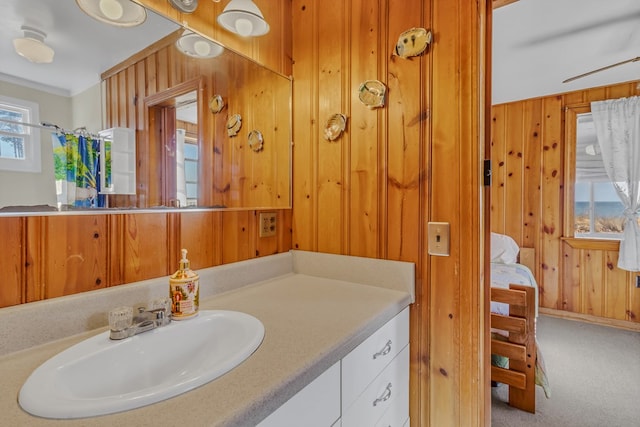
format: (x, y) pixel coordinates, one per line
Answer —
(124, 324)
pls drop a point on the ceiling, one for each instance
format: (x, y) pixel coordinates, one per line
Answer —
(539, 43)
(536, 44)
(84, 47)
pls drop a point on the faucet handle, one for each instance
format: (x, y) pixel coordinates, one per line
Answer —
(120, 318)
(162, 304)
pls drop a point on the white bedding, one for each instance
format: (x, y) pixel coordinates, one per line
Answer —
(504, 274)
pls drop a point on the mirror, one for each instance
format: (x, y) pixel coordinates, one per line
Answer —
(144, 89)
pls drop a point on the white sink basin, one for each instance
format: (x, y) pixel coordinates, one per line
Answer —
(99, 376)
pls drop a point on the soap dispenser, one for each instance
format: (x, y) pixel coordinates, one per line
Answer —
(184, 290)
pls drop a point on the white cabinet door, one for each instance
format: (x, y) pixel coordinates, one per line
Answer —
(367, 360)
(316, 405)
(389, 391)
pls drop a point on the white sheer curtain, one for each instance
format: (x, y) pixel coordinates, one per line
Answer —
(617, 123)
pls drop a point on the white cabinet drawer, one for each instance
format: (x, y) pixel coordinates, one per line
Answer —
(388, 392)
(367, 360)
(316, 405)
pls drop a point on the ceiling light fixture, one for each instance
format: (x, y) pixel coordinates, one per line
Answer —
(32, 46)
(243, 18)
(185, 6)
(121, 13)
(196, 46)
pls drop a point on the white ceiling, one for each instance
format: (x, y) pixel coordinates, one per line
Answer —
(84, 47)
(536, 44)
(539, 43)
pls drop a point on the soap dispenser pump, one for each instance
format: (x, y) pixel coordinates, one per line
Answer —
(184, 290)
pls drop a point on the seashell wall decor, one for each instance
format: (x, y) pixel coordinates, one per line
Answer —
(234, 124)
(216, 104)
(335, 126)
(371, 93)
(256, 141)
(413, 42)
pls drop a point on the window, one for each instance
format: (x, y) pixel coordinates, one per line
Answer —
(597, 210)
(19, 142)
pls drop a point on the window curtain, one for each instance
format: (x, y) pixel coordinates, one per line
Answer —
(617, 124)
(76, 165)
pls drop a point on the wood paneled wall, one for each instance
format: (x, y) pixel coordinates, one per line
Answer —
(372, 191)
(51, 256)
(529, 145)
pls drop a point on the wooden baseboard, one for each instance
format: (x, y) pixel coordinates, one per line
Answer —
(622, 324)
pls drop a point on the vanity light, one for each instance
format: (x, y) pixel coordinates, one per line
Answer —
(196, 46)
(32, 46)
(121, 13)
(185, 6)
(243, 18)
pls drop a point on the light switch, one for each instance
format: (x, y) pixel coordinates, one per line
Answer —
(438, 235)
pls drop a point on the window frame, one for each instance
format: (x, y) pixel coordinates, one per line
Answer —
(32, 162)
(571, 115)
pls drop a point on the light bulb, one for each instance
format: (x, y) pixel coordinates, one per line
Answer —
(244, 27)
(202, 48)
(112, 9)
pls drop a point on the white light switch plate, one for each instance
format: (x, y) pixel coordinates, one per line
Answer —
(438, 235)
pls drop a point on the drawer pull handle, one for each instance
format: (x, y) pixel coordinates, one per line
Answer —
(385, 396)
(385, 350)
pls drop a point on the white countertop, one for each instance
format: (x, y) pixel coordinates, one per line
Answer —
(310, 322)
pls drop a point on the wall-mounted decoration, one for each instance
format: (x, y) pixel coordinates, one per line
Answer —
(413, 42)
(216, 104)
(335, 126)
(371, 93)
(256, 141)
(234, 124)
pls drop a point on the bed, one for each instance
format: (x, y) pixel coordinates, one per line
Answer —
(515, 357)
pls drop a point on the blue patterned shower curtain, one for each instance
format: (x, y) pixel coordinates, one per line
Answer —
(77, 168)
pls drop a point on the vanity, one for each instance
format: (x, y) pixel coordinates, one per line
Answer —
(335, 349)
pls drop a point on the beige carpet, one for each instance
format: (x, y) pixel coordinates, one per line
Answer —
(594, 374)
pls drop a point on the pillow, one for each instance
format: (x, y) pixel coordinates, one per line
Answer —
(504, 249)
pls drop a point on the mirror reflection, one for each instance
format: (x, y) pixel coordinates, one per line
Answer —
(176, 93)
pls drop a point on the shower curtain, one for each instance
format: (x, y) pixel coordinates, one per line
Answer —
(77, 167)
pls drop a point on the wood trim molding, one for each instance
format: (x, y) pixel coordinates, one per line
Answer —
(500, 3)
(593, 244)
(596, 320)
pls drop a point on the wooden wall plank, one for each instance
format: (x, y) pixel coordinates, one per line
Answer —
(331, 164)
(364, 27)
(592, 282)
(532, 174)
(12, 261)
(306, 127)
(513, 172)
(145, 246)
(498, 165)
(615, 304)
(551, 198)
(75, 253)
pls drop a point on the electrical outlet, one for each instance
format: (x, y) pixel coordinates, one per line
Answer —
(267, 224)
